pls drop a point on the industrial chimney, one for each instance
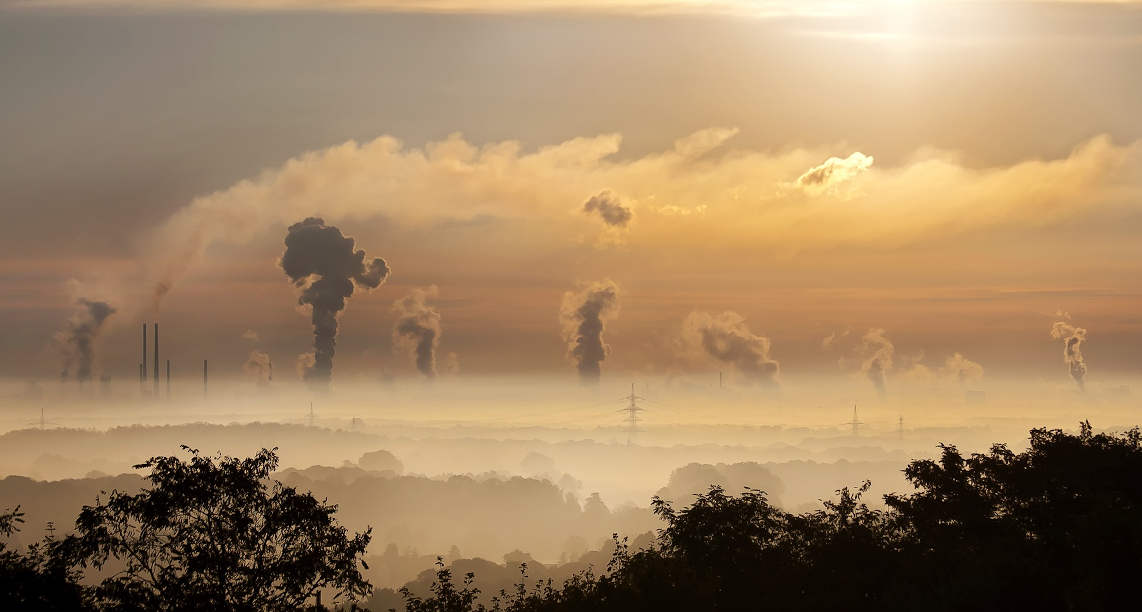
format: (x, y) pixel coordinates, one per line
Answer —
(156, 359)
(143, 366)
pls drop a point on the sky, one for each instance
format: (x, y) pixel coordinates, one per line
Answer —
(773, 189)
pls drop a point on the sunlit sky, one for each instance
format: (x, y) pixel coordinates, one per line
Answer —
(960, 175)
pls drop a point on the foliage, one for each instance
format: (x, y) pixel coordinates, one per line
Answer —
(1057, 527)
(35, 580)
(212, 534)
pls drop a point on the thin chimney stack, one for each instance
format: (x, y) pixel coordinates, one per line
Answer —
(156, 360)
(143, 365)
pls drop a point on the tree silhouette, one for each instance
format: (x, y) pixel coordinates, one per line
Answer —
(1057, 527)
(212, 533)
(35, 580)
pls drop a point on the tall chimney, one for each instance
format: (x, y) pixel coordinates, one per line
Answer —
(203, 379)
(156, 359)
(168, 378)
(143, 370)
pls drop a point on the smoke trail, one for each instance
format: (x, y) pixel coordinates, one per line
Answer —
(78, 338)
(876, 353)
(418, 328)
(323, 262)
(726, 338)
(962, 368)
(259, 367)
(609, 208)
(1073, 339)
(583, 316)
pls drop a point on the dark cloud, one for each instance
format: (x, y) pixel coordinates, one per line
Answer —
(323, 262)
(726, 338)
(78, 339)
(418, 328)
(609, 209)
(1073, 339)
(583, 316)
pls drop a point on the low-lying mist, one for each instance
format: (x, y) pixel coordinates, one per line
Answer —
(490, 468)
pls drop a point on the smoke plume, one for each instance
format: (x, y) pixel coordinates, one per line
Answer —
(78, 339)
(417, 328)
(726, 338)
(1073, 339)
(323, 263)
(876, 352)
(583, 316)
(609, 209)
(961, 368)
(259, 367)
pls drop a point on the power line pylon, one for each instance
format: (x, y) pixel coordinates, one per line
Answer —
(632, 409)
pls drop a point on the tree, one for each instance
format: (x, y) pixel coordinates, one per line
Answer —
(35, 580)
(1058, 526)
(212, 533)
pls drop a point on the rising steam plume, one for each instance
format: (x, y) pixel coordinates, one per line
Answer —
(323, 262)
(876, 352)
(1073, 339)
(259, 367)
(78, 338)
(418, 328)
(726, 338)
(583, 316)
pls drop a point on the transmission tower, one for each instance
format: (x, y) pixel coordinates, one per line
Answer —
(632, 409)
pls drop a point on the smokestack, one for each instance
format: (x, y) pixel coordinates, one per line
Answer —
(156, 359)
(143, 369)
(168, 378)
(203, 379)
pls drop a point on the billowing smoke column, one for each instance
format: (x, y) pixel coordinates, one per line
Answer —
(583, 316)
(322, 261)
(726, 338)
(963, 369)
(418, 328)
(1073, 339)
(259, 367)
(876, 352)
(607, 205)
(78, 338)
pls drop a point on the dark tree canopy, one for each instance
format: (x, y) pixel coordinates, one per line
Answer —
(1056, 527)
(213, 533)
(35, 579)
